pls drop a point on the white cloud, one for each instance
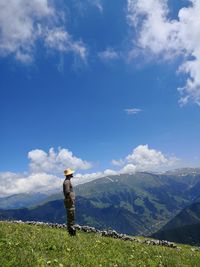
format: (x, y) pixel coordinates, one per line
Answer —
(141, 159)
(23, 23)
(44, 168)
(82, 6)
(169, 38)
(129, 168)
(11, 183)
(59, 39)
(109, 172)
(108, 54)
(55, 162)
(119, 162)
(42, 177)
(145, 159)
(83, 178)
(133, 111)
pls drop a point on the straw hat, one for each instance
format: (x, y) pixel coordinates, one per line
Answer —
(68, 172)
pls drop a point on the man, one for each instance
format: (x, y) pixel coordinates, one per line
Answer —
(69, 201)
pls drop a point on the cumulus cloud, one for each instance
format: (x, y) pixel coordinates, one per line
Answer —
(129, 168)
(46, 169)
(11, 183)
(145, 159)
(44, 174)
(133, 111)
(108, 55)
(169, 38)
(23, 23)
(55, 162)
(141, 159)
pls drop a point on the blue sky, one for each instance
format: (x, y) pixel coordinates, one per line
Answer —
(70, 78)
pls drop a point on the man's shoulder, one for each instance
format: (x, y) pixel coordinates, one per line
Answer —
(66, 181)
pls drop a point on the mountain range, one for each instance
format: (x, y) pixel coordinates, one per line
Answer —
(22, 200)
(137, 204)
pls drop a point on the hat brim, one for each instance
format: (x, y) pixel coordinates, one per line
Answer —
(68, 173)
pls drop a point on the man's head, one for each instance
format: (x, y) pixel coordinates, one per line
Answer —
(68, 173)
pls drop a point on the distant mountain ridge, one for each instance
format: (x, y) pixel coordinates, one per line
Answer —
(138, 204)
(22, 200)
(183, 171)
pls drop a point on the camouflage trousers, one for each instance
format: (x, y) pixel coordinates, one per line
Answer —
(70, 210)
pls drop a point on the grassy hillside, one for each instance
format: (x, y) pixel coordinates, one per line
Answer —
(28, 245)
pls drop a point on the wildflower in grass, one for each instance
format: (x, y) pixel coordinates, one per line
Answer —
(131, 257)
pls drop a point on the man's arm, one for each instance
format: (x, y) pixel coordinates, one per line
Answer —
(66, 188)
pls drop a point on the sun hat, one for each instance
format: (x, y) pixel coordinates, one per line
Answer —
(68, 172)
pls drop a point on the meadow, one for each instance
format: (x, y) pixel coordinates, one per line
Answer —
(24, 245)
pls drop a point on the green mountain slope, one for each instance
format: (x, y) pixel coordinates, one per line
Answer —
(118, 218)
(37, 246)
(150, 200)
(184, 228)
(138, 204)
(182, 181)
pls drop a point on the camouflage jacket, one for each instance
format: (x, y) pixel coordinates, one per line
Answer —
(68, 190)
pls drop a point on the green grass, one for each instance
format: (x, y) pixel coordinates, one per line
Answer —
(24, 245)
